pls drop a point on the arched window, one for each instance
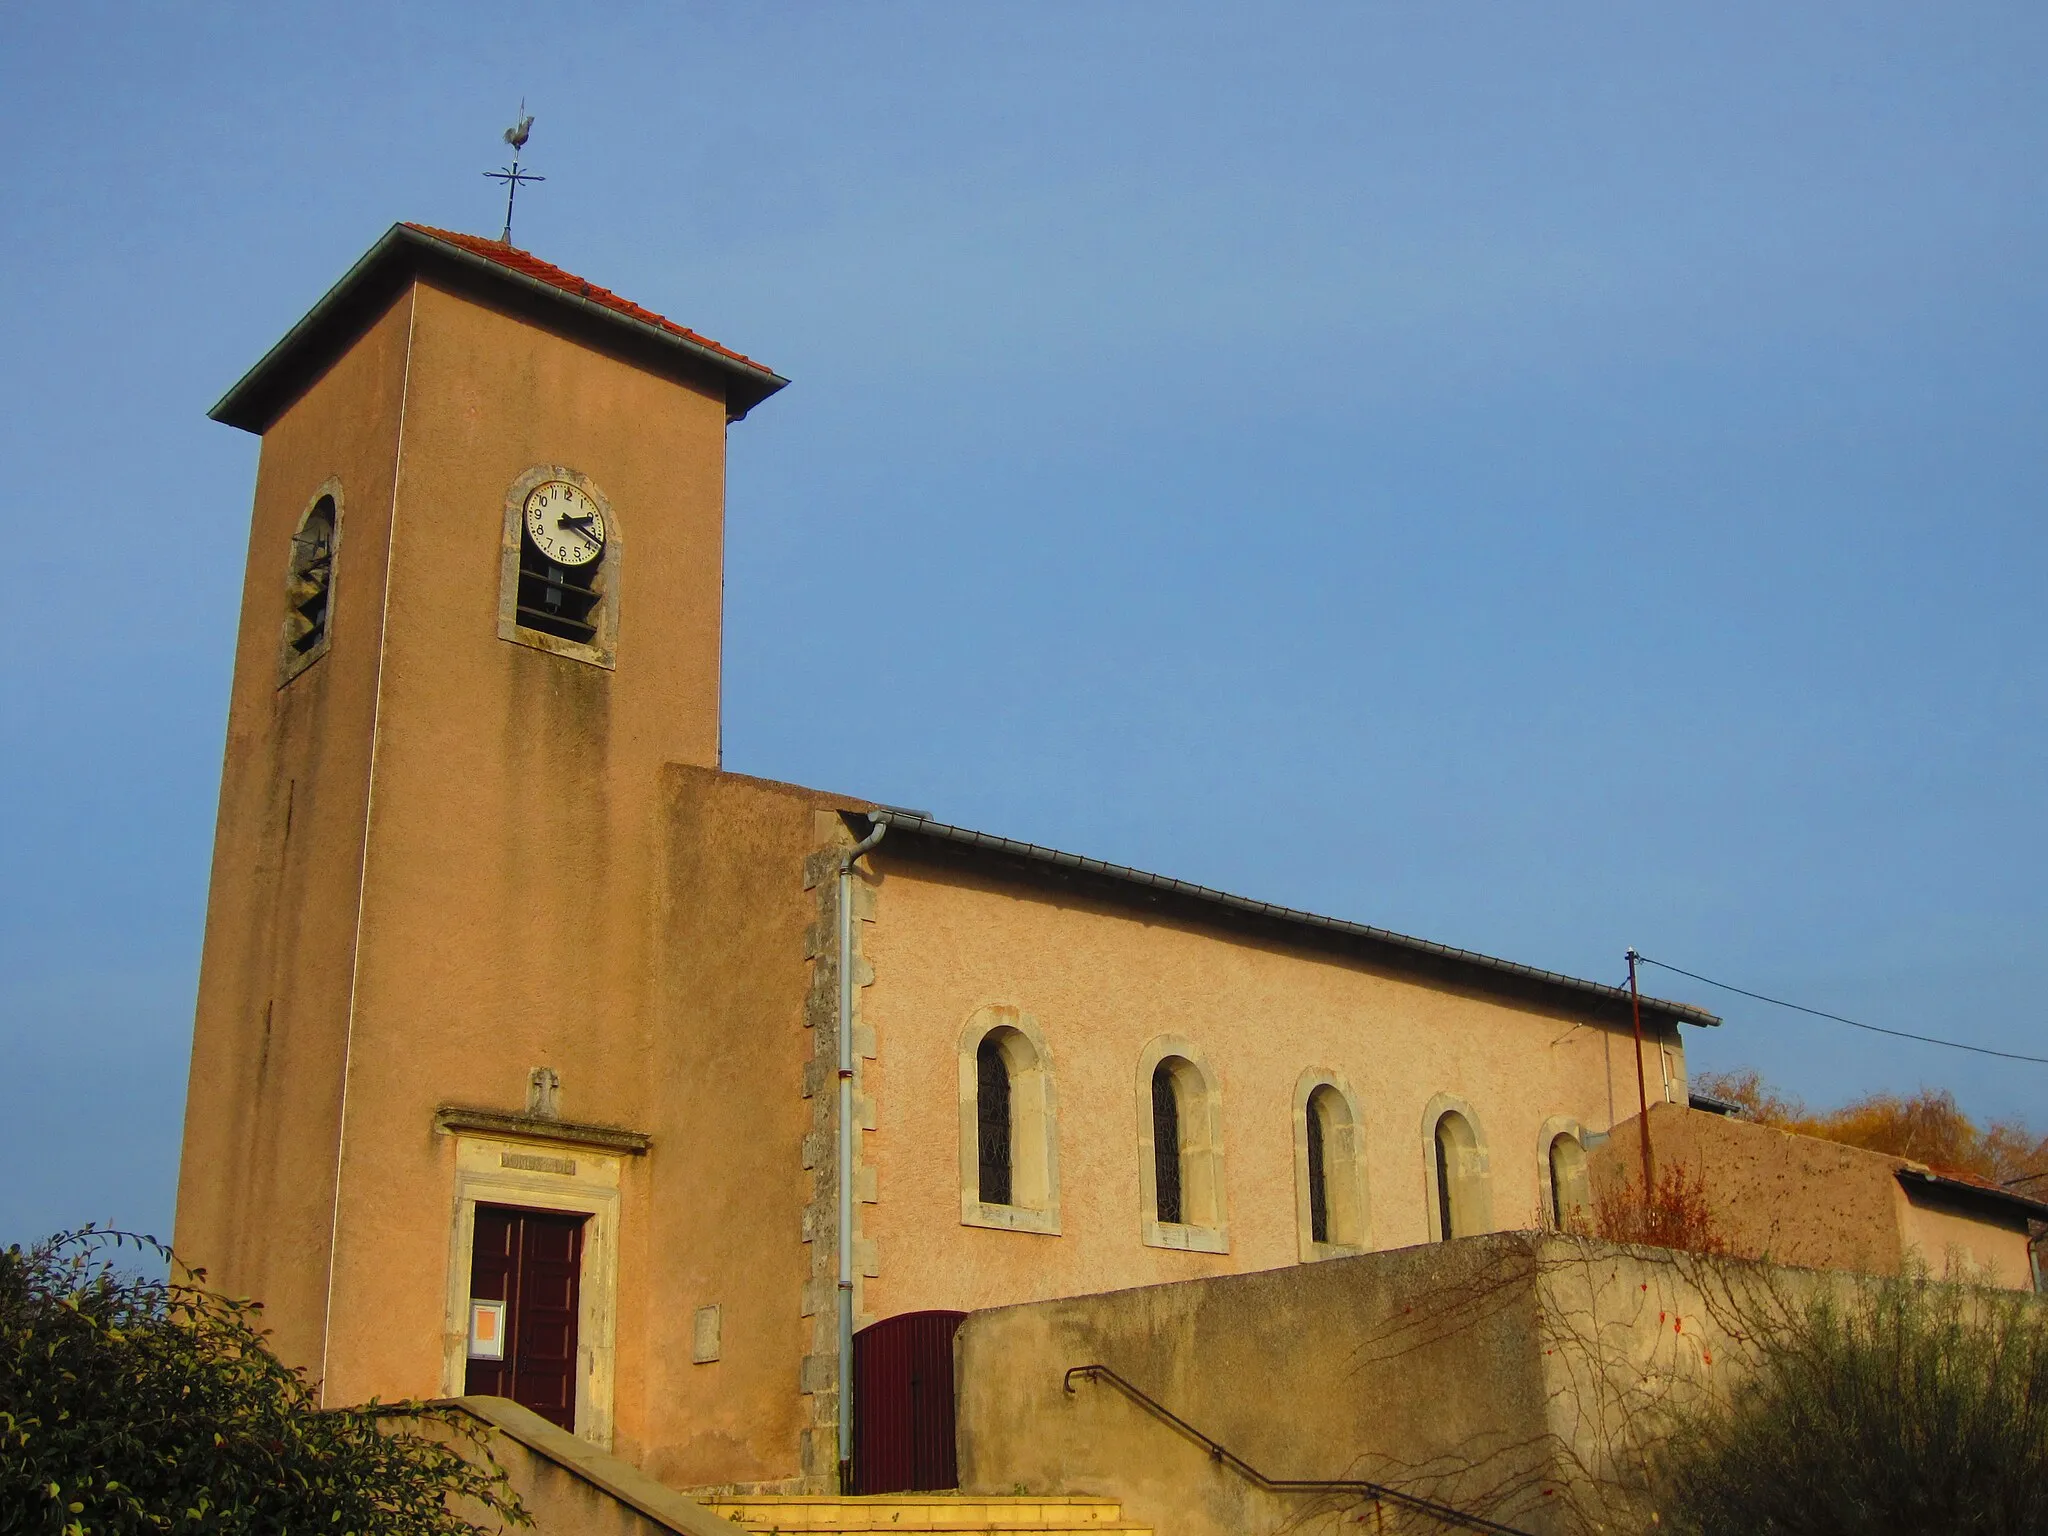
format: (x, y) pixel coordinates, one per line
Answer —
(1009, 1124)
(992, 1120)
(1318, 1117)
(1570, 1197)
(1166, 1143)
(1331, 1212)
(1458, 1172)
(1180, 1146)
(309, 585)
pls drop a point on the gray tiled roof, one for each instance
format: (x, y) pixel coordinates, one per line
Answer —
(1483, 970)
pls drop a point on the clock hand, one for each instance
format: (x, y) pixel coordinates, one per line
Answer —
(581, 525)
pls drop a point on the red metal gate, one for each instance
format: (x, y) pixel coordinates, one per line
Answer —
(903, 1404)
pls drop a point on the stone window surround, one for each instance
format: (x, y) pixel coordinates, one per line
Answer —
(1034, 1124)
(488, 1171)
(1202, 1181)
(1347, 1188)
(1554, 1127)
(291, 663)
(1477, 1189)
(603, 651)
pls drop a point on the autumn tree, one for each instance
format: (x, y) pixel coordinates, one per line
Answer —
(1927, 1126)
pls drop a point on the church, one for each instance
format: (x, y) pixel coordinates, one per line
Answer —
(538, 1057)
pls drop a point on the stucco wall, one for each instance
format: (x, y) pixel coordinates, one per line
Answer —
(540, 887)
(1792, 1199)
(514, 828)
(257, 1171)
(1960, 1241)
(1099, 982)
(444, 860)
(1803, 1200)
(1462, 1372)
(726, 1072)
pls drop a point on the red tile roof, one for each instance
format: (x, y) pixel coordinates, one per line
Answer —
(529, 265)
(1937, 1173)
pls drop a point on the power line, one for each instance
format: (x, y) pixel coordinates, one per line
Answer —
(1819, 1013)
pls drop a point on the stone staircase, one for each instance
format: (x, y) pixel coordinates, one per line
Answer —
(985, 1515)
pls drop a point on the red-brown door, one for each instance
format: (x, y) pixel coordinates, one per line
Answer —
(903, 1403)
(530, 1261)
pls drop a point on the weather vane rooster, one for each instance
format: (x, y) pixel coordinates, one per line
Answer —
(511, 175)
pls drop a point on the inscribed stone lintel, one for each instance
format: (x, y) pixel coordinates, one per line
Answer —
(568, 1133)
(527, 1162)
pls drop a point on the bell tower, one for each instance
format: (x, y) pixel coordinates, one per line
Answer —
(480, 613)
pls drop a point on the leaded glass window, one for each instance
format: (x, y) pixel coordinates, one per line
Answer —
(1166, 1142)
(1318, 1174)
(992, 1116)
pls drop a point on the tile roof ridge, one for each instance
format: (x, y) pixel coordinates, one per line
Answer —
(515, 259)
(1962, 1176)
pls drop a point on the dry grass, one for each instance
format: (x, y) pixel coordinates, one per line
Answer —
(1678, 1214)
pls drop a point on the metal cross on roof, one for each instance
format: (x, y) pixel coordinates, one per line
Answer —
(511, 175)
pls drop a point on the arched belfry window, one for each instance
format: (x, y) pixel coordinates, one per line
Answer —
(1461, 1200)
(1332, 1215)
(1180, 1150)
(558, 580)
(1009, 1124)
(309, 584)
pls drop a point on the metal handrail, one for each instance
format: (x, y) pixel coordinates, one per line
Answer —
(1220, 1452)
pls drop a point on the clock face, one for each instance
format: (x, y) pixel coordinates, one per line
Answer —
(564, 524)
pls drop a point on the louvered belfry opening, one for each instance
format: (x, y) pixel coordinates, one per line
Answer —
(992, 1117)
(311, 578)
(557, 601)
(903, 1404)
(1166, 1142)
(1318, 1173)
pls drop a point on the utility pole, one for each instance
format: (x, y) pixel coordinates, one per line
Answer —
(1635, 1004)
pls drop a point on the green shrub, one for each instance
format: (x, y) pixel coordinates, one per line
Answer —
(135, 1404)
(1900, 1406)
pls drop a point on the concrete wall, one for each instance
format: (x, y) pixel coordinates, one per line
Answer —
(1492, 1374)
(1802, 1200)
(568, 1487)
(1957, 1239)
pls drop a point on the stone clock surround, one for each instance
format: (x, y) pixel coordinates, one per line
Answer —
(604, 651)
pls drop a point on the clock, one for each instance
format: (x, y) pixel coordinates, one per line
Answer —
(564, 524)
(558, 573)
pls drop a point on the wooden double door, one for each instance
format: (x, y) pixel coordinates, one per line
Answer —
(903, 1404)
(529, 1263)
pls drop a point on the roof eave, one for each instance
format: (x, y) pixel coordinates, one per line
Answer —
(1968, 1192)
(1423, 950)
(267, 390)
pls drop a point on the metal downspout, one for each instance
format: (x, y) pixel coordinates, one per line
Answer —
(845, 1156)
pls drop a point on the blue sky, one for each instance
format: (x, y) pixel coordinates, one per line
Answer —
(1546, 478)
